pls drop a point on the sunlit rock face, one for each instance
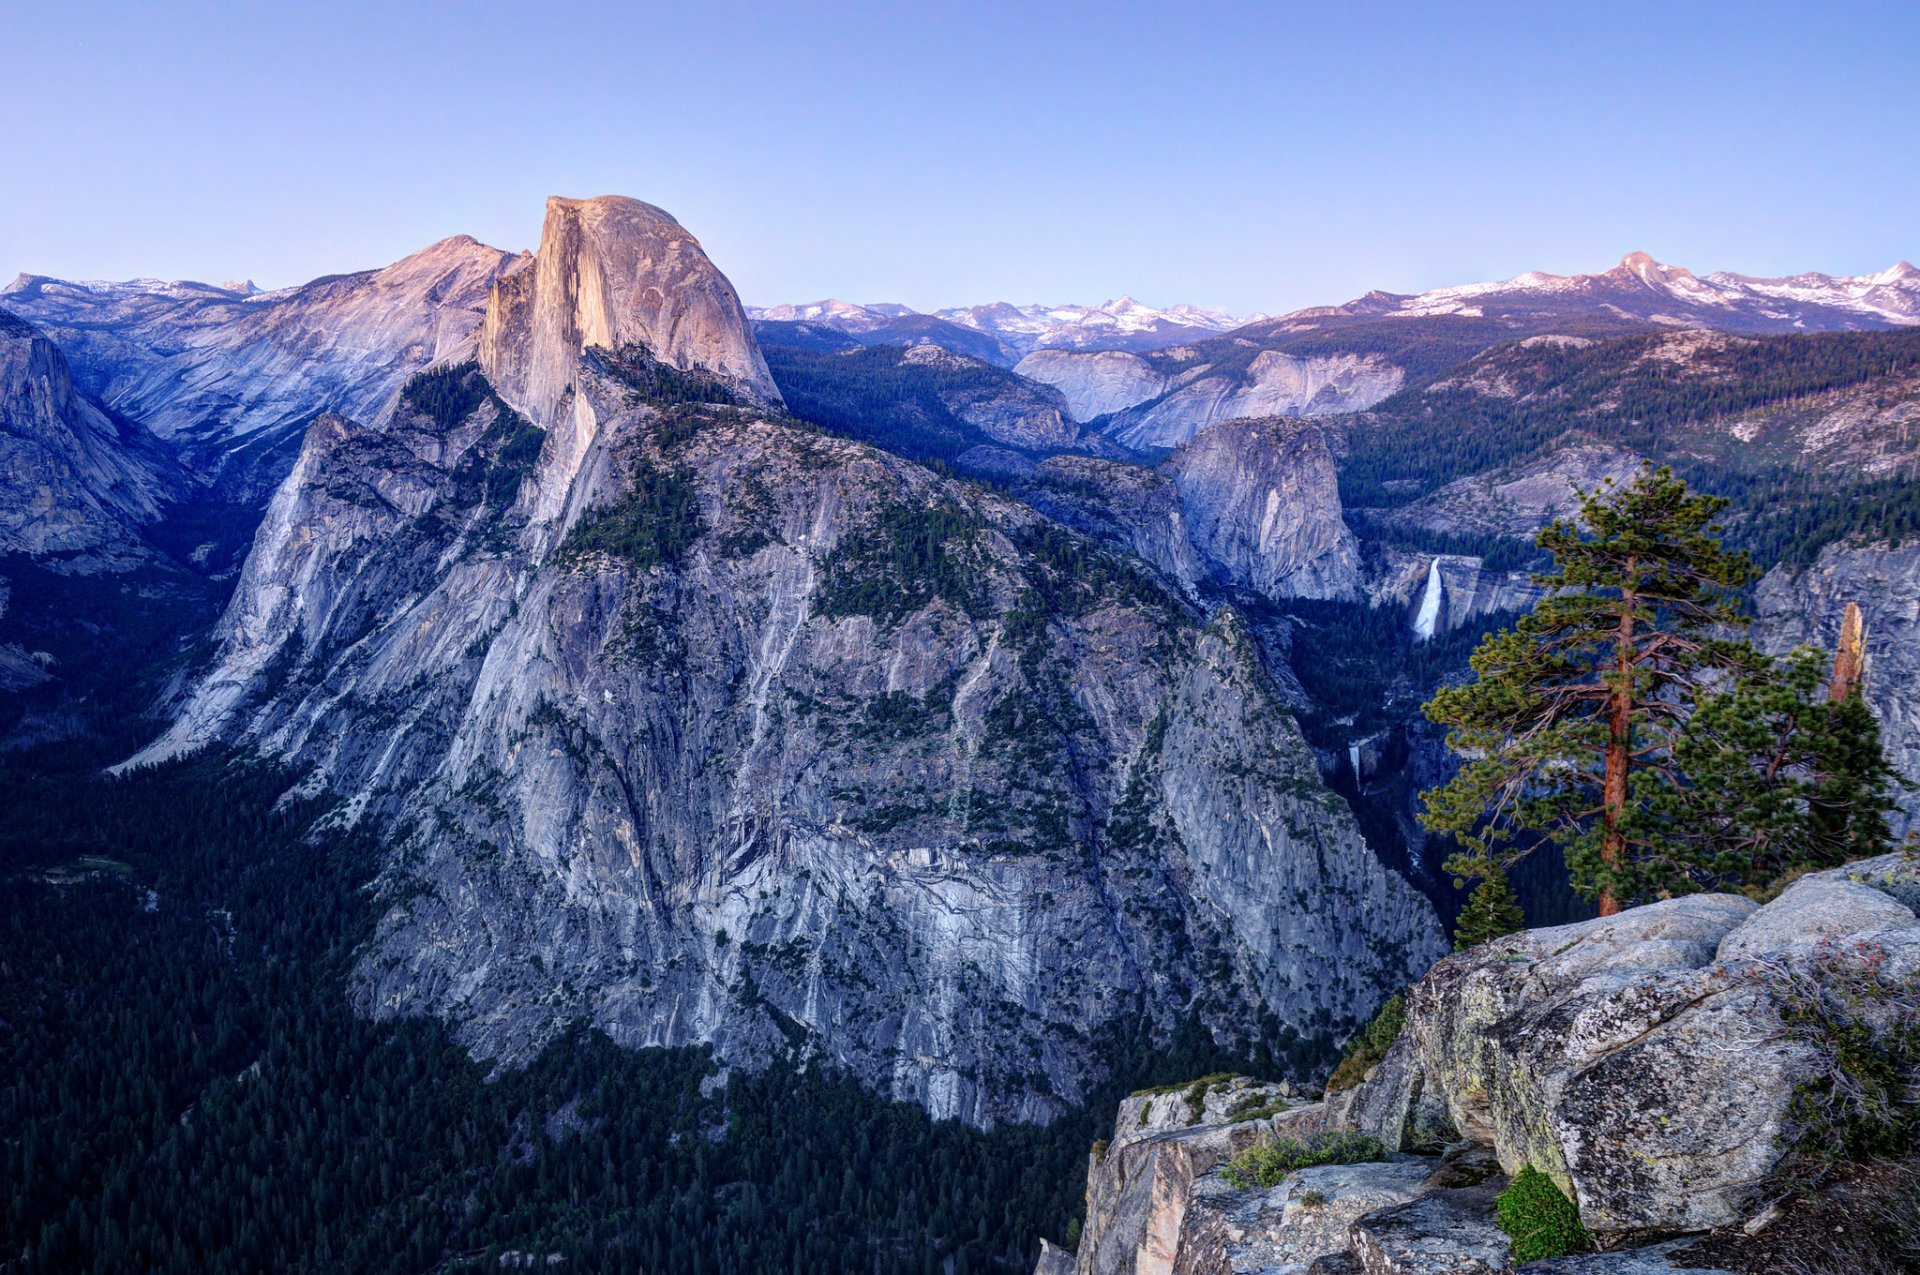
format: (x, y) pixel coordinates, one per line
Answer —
(613, 272)
(226, 372)
(705, 727)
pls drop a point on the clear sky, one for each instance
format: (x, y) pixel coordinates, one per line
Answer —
(1248, 156)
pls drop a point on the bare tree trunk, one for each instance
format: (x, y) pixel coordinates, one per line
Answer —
(1850, 656)
(1613, 797)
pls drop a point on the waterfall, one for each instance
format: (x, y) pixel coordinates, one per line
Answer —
(1353, 757)
(1429, 613)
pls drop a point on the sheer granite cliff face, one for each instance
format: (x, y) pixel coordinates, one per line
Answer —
(1263, 501)
(1804, 605)
(614, 272)
(74, 477)
(703, 726)
(1249, 506)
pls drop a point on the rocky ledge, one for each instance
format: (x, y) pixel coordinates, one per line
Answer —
(1647, 1063)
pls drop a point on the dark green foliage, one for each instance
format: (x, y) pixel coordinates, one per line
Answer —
(1496, 553)
(1490, 911)
(872, 394)
(447, 395)
(1423, 438)
(1784, 516)
(1367, 1048)
(1569, 727)
(1266, 1162)
(1779, 778)
(652, 381)
(490, 473)
(183, 1087)
(1350, 657)
(1619, 721)
(1541, 1219)
(903, 558)
(654, 522)
(114, 639)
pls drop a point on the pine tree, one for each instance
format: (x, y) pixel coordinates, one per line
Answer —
(1569, 727)
(1491, 910)
(1784, 771)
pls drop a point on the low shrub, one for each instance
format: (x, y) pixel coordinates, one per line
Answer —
(1541, 1219)
(1863, 1024)
(1265, 1162)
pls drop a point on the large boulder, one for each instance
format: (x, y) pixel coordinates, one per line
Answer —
(1639, 1059)
(1306, 1217)
(1450, 1232)
(1140, 1182)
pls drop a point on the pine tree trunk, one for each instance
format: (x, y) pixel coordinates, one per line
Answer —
(1613, 798)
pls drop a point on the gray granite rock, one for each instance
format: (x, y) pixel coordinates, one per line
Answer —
(1304, 1218)
(1448, 1232)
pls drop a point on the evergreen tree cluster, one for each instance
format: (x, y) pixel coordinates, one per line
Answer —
(1624, 722)
(184, 1086)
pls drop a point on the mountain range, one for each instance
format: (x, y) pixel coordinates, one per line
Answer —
(937, 695)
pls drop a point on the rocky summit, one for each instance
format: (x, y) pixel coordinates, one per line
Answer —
(690, 721)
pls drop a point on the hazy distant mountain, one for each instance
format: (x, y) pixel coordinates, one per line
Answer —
(1123, 324)
(1644, 290)
(842, 325)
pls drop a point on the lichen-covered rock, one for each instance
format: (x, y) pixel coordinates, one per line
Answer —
(1139, 1184)
(1639, 1059)
(1447, 1232)
(1305, 1217)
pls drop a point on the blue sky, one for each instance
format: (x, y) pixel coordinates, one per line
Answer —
(1246, 156)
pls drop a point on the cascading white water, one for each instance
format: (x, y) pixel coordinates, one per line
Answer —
(1353, 757)
(1429, 614)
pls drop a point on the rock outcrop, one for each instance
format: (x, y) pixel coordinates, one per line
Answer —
(703, 726)
(1644, 1061)
(1639, 1060)
(1800, 605)
(1095, 384)
(1252, 507)
(1139, 1183)
(74, 477)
